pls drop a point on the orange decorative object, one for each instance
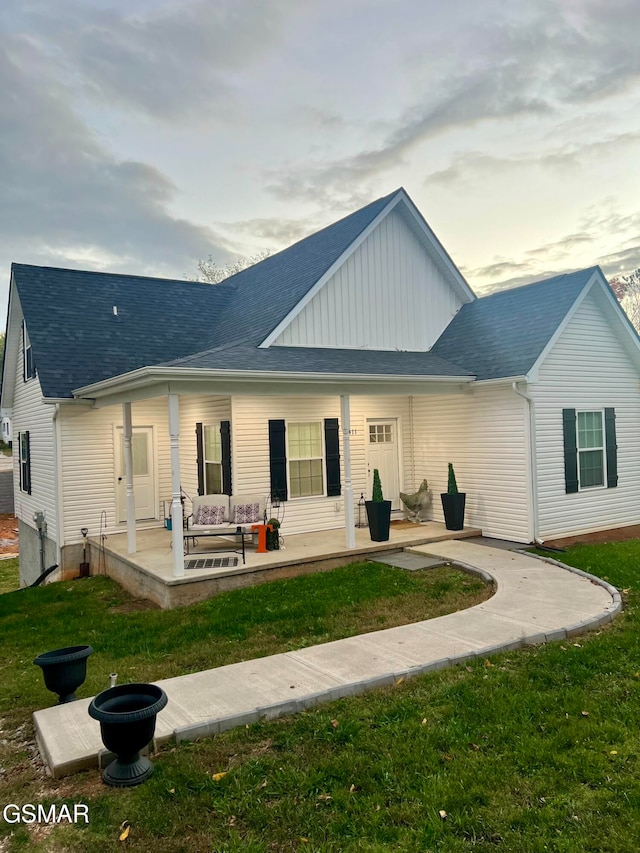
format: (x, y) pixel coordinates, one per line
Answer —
(261, 530)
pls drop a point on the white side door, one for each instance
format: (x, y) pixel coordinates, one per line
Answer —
(381, 441)
(144, 480)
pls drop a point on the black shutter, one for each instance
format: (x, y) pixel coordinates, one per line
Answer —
(200, 458)
(28, 464)
(570, 451)
(225, 445)
(612, 447)
(278, 460)
(20, 460)
(332, 456)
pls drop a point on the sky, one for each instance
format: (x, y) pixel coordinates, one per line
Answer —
(140, 137)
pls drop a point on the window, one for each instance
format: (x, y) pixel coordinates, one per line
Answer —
(28, 366)
(305, 455)
(380, 434)
(25, 462)
(591, 450)
(212, 460)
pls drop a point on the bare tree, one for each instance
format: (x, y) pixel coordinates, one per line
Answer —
(627, 291)
(210, 272)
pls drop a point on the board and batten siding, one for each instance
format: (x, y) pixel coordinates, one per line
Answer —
(389, 294)
(32, 415)
(250, 451)
(208, 411)
(484, 434)
(588, 368)
(89, 462)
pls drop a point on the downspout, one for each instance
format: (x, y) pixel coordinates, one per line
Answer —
(533, 468)
(57, 449)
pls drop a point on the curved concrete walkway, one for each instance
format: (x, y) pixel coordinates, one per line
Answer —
(536, 601)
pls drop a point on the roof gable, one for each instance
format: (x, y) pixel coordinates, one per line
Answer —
(397, 251)
(506, 333)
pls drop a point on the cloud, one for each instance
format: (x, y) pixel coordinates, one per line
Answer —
(65, 197)
(514, 61)
(179, 61)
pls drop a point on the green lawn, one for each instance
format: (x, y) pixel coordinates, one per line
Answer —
(9, 575)
(533, 750)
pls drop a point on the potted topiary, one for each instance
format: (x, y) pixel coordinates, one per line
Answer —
(273, 535)
(453, 503)
(378, 512)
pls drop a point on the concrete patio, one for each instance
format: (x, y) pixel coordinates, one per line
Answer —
(536, 601)
(149, 572)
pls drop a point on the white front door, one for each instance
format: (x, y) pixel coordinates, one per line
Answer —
(144, 481)
(383, 453)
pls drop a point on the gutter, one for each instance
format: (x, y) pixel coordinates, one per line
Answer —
(146, 376)
(533, 468)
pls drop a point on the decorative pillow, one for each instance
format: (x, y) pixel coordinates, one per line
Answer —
(246, 514)
(210, 514)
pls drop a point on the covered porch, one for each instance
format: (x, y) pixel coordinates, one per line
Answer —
(150, 572)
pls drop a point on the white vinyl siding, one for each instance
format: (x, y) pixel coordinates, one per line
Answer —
(32, 415)
(250, 451)
(484, 435)
(209, 411)
(89, 447)
(388, 295)
(587, 369)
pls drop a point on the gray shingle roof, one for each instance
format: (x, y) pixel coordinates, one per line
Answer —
(268, 291)
(77, 340)
(505, 333)
(246, 356)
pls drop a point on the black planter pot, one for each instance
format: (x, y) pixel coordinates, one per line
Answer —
(379, 517)
(273, 539)
(64, 670)
(127, 715)
(453, 508)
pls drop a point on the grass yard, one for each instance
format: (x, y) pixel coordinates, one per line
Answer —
(9, 575)
(533, 750)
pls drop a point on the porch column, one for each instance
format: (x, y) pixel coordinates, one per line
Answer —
(176, 505)
(127, 430)
(345, 420)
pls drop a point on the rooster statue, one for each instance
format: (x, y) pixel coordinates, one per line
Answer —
(417, 504)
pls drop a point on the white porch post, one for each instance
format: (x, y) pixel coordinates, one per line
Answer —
(345, 419)
(127, 430)
(176, 505)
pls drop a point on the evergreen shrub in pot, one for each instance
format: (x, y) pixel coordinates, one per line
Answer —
(378, 512)
(453, 503)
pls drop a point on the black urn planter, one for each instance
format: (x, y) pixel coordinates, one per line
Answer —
(64, 670)
(453, 508)
(379, 518)
(127, 715)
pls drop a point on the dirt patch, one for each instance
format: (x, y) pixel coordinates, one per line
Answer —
(600, 537)
(8, 535)
(400, 524)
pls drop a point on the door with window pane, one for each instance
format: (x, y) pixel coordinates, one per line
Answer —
(144, 481)
(383, 453)
(305, 454)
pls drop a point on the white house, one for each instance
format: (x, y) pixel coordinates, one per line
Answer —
(359, 347)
